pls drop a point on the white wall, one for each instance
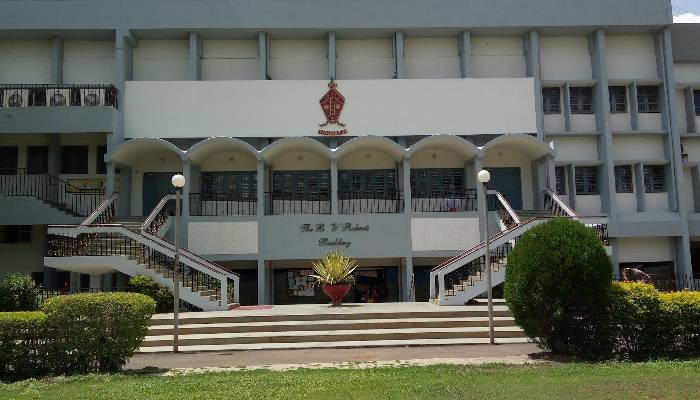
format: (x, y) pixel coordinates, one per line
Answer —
(650, 122)
(366, 159)
(656, 202)
(431, 58)
(692, 147)
(298, 59)
(230, 161)
(364, 59)
(686, 72)
(688, 199)
(498, 57)
(290, 108)
(583, 123)
(92, 140)
(224, 60)
(631, 57)
(223, 237)
(679, 115)
(588, 205)
(300, 161)
(25, 61)
(565, 58)
(626, 202)
(649, 249)
(436, 158)
(620, 121)
(554, 123)
(25, 258)
(88, 61)
(444, 233)
(161, 60)
(638, 148)
(576, 149)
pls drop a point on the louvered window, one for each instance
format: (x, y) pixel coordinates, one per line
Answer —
(623, 179)
(74, 159)
(437, 182)
(581, 100)
(560, 175)
(371, 183)
(551, 100)
(37, 159)
(8, 160)
(586, 180)
(618, 99)
(310, 183)
(696, 97)
(243, 183)
(654, 179)
(648, 99)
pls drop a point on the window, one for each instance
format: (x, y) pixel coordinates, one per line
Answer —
(101, 165)
(244, 183)
(654, 179)
(623, 179)
(551, 100)
(8, 160)
(648, 99)
(375, 183)
(586, 180)
(560, 176)
(74, 159)
(301, 182)
(15, 234)
(37, 159)
(618, 99)
(437, 182)
(581, 100)
(696, 97)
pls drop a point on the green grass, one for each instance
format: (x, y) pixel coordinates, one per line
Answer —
(656, 380)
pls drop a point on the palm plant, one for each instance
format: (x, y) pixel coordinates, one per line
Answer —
(334, 268)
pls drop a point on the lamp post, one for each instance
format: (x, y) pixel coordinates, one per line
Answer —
(484, 177)
(178, 182)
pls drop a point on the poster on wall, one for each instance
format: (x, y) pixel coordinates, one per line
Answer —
(300, 283)
(77, 184)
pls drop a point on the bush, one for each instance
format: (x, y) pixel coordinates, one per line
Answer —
(96, 332)
(557, 283)
(682, 310)
(146, 285)
(18, 293)
(21, 344)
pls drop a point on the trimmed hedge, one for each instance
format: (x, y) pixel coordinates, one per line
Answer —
(74, 334)
(146, 285)
(18, 293)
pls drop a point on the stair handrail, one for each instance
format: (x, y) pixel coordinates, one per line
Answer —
(505, 210)
(556, 205)
(149, 225)
(107, 206)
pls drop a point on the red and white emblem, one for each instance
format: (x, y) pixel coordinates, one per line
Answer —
(332, 105)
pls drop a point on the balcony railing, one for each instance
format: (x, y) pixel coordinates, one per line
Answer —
(58, 95)
(215, 204)
(370, 203)
(459, 201)
(277, 203)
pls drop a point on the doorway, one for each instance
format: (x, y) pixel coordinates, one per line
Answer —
(155, 186)
(507, 182)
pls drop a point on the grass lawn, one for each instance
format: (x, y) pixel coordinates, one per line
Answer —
(657, 380)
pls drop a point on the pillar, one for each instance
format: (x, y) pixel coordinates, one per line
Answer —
(409, 291)
(263, 55)
(691, 126)
(95, 282)
(406, 185)
(74, 281)
(532, 70)
(195, 57)
(399, 65)
(334, 187)
(263, 292)
(465, 54)
(57, 60)
(639, 186)
(571, 183)
(331, 55)
(125, 190)
(261, 187)
(123, 71)
(54, 167)
(634, 106)
(683, 266)
(481, 203)
(111, 177)
(695, 171)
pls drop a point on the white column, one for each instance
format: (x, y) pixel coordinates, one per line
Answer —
(95, 282)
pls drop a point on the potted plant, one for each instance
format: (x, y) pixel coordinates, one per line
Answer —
(334, 273)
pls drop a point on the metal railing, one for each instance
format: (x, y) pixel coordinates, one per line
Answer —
(461, 201)
(58, 95)
(277, 203)
(160, 214)
(23, 182)
(370, 203)
(213, 204)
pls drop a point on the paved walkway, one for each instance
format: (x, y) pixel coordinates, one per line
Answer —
(284, 359)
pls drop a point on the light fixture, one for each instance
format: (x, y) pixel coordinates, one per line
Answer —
(484, 176)
(178, 181)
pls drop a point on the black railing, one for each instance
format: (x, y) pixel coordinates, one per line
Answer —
(22, 182)
(277, 203)
(370, 203)
(165, 212)
(553, 206)
(58, 95)
(462, 201)
(475, 270)
(213, 204)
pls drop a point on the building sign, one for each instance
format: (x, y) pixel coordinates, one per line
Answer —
(335, 228)
(332, 104)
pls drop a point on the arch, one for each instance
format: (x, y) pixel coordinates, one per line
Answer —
(133, 150)
(374, 143)
(287, 144)
(525, 144)
(454, 144)
(214, 146)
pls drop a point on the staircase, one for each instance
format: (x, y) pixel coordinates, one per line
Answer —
(464, 277)
(320, 326)
(135, 246)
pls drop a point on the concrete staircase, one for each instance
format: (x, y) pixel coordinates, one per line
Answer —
(318, 326)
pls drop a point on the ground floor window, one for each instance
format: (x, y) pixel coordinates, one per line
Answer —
(15, 234)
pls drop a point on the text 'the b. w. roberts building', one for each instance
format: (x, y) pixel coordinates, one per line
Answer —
(304, 127)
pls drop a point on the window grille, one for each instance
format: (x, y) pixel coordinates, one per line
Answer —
(624, 179)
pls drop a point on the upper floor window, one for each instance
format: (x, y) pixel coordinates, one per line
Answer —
(15, 234)
(375, 183)
(586, 180)
(696, 97)
(437, 182)
(581, 100)
(648, 99)
(654, 178)
(101, 165)
(244, 183)
(74, 159)
(551, 100)
(37, 159)
(8, 160)
(560, 176)
(623, 179)
(618, 99)
(301, 182)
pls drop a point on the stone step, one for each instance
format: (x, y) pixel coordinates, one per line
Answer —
(334, 336)
(327, 325)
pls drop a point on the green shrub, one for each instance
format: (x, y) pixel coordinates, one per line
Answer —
(682, 311)
(96, 332)
(146, 285)
(22, 350)
(557, 283)
(18, 293)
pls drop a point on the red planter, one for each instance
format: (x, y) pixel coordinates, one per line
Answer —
(336, 293)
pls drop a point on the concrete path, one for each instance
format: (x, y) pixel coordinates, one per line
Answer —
(324, 358)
